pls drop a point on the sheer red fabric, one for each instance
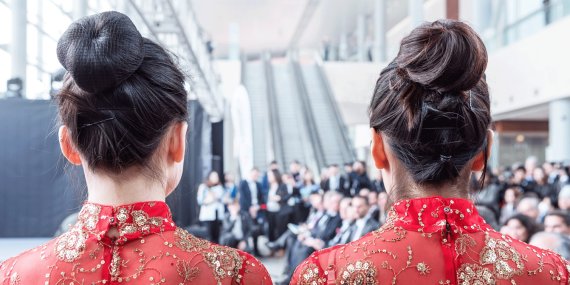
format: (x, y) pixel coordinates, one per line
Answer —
(148, 249)
(433, 241)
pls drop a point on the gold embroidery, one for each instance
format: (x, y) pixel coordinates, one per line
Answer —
(141, 222)
(361, 273)
(115, 268)
(311, 276)
(71, 244)
(499, 253)
(188, 242)
(15, 279)
(473, 274)
(187, 272)
(422, 268)
(89, 216)
(464, 242)
(225, 262)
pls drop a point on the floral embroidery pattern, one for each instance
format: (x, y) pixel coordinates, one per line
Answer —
(225, 261)
(499, 253)
(360, 272)
(311, 275)
(141, 222)
(473, 274)
(187, 272)
(188, 242)
(70, 245)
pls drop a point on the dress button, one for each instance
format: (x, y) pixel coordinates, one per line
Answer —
(447, 209)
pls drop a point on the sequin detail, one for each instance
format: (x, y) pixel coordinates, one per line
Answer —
(360, 273)
(473, 274)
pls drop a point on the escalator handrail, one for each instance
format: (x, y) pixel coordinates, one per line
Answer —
(309, 116)
(273, 118)
(348, 154)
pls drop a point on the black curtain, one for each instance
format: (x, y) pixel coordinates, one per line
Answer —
(37, 187)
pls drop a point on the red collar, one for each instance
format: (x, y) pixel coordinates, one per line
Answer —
(436, 214)
(133, 221)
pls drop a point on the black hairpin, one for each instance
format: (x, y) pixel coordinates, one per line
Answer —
(444, 158)
(97, 123)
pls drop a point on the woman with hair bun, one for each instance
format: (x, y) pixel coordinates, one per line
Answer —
(430, 118)
(123, 114)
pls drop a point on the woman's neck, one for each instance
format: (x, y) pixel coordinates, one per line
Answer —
(103, 189)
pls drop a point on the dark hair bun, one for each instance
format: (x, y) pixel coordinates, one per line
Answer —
(101, 51)
(444, 56)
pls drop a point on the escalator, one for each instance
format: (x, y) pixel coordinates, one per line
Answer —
(329, 126)
(293, 140)
(255, 81)
(294, 115)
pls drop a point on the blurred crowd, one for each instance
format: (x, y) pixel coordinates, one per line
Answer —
(293, 213)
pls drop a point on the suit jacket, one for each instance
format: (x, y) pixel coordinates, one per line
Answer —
(326, 230)
(245, 195)
(342, 183)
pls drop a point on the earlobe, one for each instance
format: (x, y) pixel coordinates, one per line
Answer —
(178, 141)
(377, 150)
(67, 148)
(479, 162)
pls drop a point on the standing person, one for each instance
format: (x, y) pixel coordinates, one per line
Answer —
(210, 195)
(276, 199)
(360, 179)
(123, 113)
(430, 117)
(292, 203)
(230, 189)
(336, 181)
(253, 202)
(309, 186)
(348, 179)
(273, 165)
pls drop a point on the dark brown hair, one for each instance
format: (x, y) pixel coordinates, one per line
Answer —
(431, 102)
(121, 92)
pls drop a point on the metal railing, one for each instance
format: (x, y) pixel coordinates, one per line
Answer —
(507, 33)
(164, 22)
(308, 114)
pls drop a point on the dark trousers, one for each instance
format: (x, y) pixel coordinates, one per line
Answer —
(213, 228)
(272, 222)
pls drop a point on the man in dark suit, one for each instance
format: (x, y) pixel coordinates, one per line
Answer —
(253, 202)
(364, 223)
(360, 178)
(335, 181)
(325, 229)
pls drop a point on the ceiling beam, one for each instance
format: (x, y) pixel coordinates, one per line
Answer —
(308, 13)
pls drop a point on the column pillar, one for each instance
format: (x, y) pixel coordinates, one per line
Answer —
(416, 12)
(559, 130)
(80, 8)
(18, 45)
(361, 37)
(379, 51)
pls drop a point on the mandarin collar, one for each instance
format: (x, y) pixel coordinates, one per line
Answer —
(436, 214)
(133, 221)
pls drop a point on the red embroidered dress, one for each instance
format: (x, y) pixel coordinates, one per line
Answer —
(433, 241)
(150, 249)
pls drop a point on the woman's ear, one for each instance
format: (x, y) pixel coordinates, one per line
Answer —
(479, 162)
(66, 146)
(378, 151)
(177, 143)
